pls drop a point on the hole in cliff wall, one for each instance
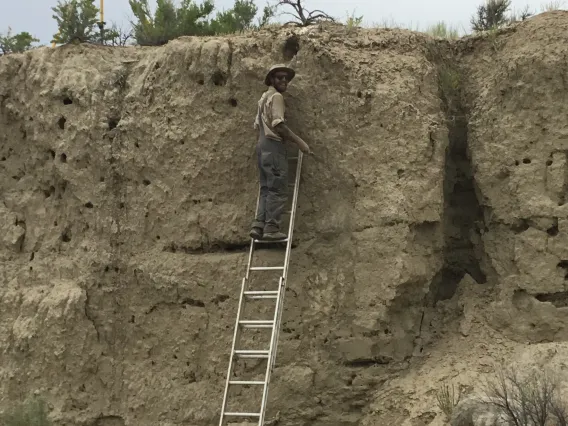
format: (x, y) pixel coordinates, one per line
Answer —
(49, 192)
(291, 47)
(233, 102)
(113, 122)
(61, 123)
(559, 300)
(553, 230)
(462, 210)
(219, 78)
(520, 226)
(66, 236)
(63, 158)
(67, 100)
(564, 265)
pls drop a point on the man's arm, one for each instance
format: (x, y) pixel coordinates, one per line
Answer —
(281, 128)
(287, 134)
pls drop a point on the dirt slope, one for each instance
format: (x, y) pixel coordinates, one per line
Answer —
(128, 184)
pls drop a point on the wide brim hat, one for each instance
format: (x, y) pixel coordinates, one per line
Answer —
(279, 67)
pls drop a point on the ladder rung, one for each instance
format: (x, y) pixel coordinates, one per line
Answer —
(251, 354)
(242, 414)
(292, 158)
(285, 240)
(257, 323)
(245, 382)
(267, 268)
(261, 294)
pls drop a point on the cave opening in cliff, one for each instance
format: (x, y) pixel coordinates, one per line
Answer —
(291, 48)
(463, 213)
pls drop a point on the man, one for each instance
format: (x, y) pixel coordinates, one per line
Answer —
(272, 154)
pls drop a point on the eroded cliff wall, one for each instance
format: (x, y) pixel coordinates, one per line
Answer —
(128, 183)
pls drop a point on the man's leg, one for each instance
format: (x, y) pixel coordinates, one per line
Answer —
(260, 218)
(275, 165)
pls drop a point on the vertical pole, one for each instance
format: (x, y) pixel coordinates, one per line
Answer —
(102, 22)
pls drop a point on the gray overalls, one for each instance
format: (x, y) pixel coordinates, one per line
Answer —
(272, 159)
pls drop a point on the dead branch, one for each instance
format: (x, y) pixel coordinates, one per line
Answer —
(304, 17)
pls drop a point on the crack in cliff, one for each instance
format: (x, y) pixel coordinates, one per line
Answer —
(185, 302)
(90, 316)
(463, 213)
(207, 248)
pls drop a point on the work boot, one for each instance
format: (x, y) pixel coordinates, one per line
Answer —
(274, 236)
(256, 233)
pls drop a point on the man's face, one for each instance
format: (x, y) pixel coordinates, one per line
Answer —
(280, 81)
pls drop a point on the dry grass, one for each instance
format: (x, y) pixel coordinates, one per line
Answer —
(443, 30)
(447, 400)
(553, 5)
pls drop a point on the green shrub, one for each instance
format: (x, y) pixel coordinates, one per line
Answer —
(76, 21)
(170, 21)
(17, 43)
(492, 14)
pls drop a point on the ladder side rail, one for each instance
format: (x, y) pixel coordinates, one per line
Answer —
(292, 215)
(283, 283)
(231, 358)
(273, 338)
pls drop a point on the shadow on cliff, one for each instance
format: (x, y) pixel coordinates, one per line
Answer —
(463, 215)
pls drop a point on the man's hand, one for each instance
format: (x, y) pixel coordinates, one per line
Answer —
(306, 149)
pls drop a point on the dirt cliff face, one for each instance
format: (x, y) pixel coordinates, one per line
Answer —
(427, 244)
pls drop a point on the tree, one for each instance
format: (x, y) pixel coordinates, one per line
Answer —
(237, 19)
(17, 43)
(76, 20)
(193, 19)
(168, 21)
(190, 19)
(267, 14)
(302, 16)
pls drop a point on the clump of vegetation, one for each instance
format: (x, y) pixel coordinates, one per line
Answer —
(447, 400)
(76, 21)
(443, 30)
(17, 43)
(493, 15)
(532, 400)
(191, 19)
(32, 412)
(353, 21)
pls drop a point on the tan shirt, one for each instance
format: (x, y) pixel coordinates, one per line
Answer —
(272, 113)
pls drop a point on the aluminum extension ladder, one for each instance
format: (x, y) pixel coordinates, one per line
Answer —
(273, 324)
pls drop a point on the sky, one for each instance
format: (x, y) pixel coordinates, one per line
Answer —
(35, 16)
